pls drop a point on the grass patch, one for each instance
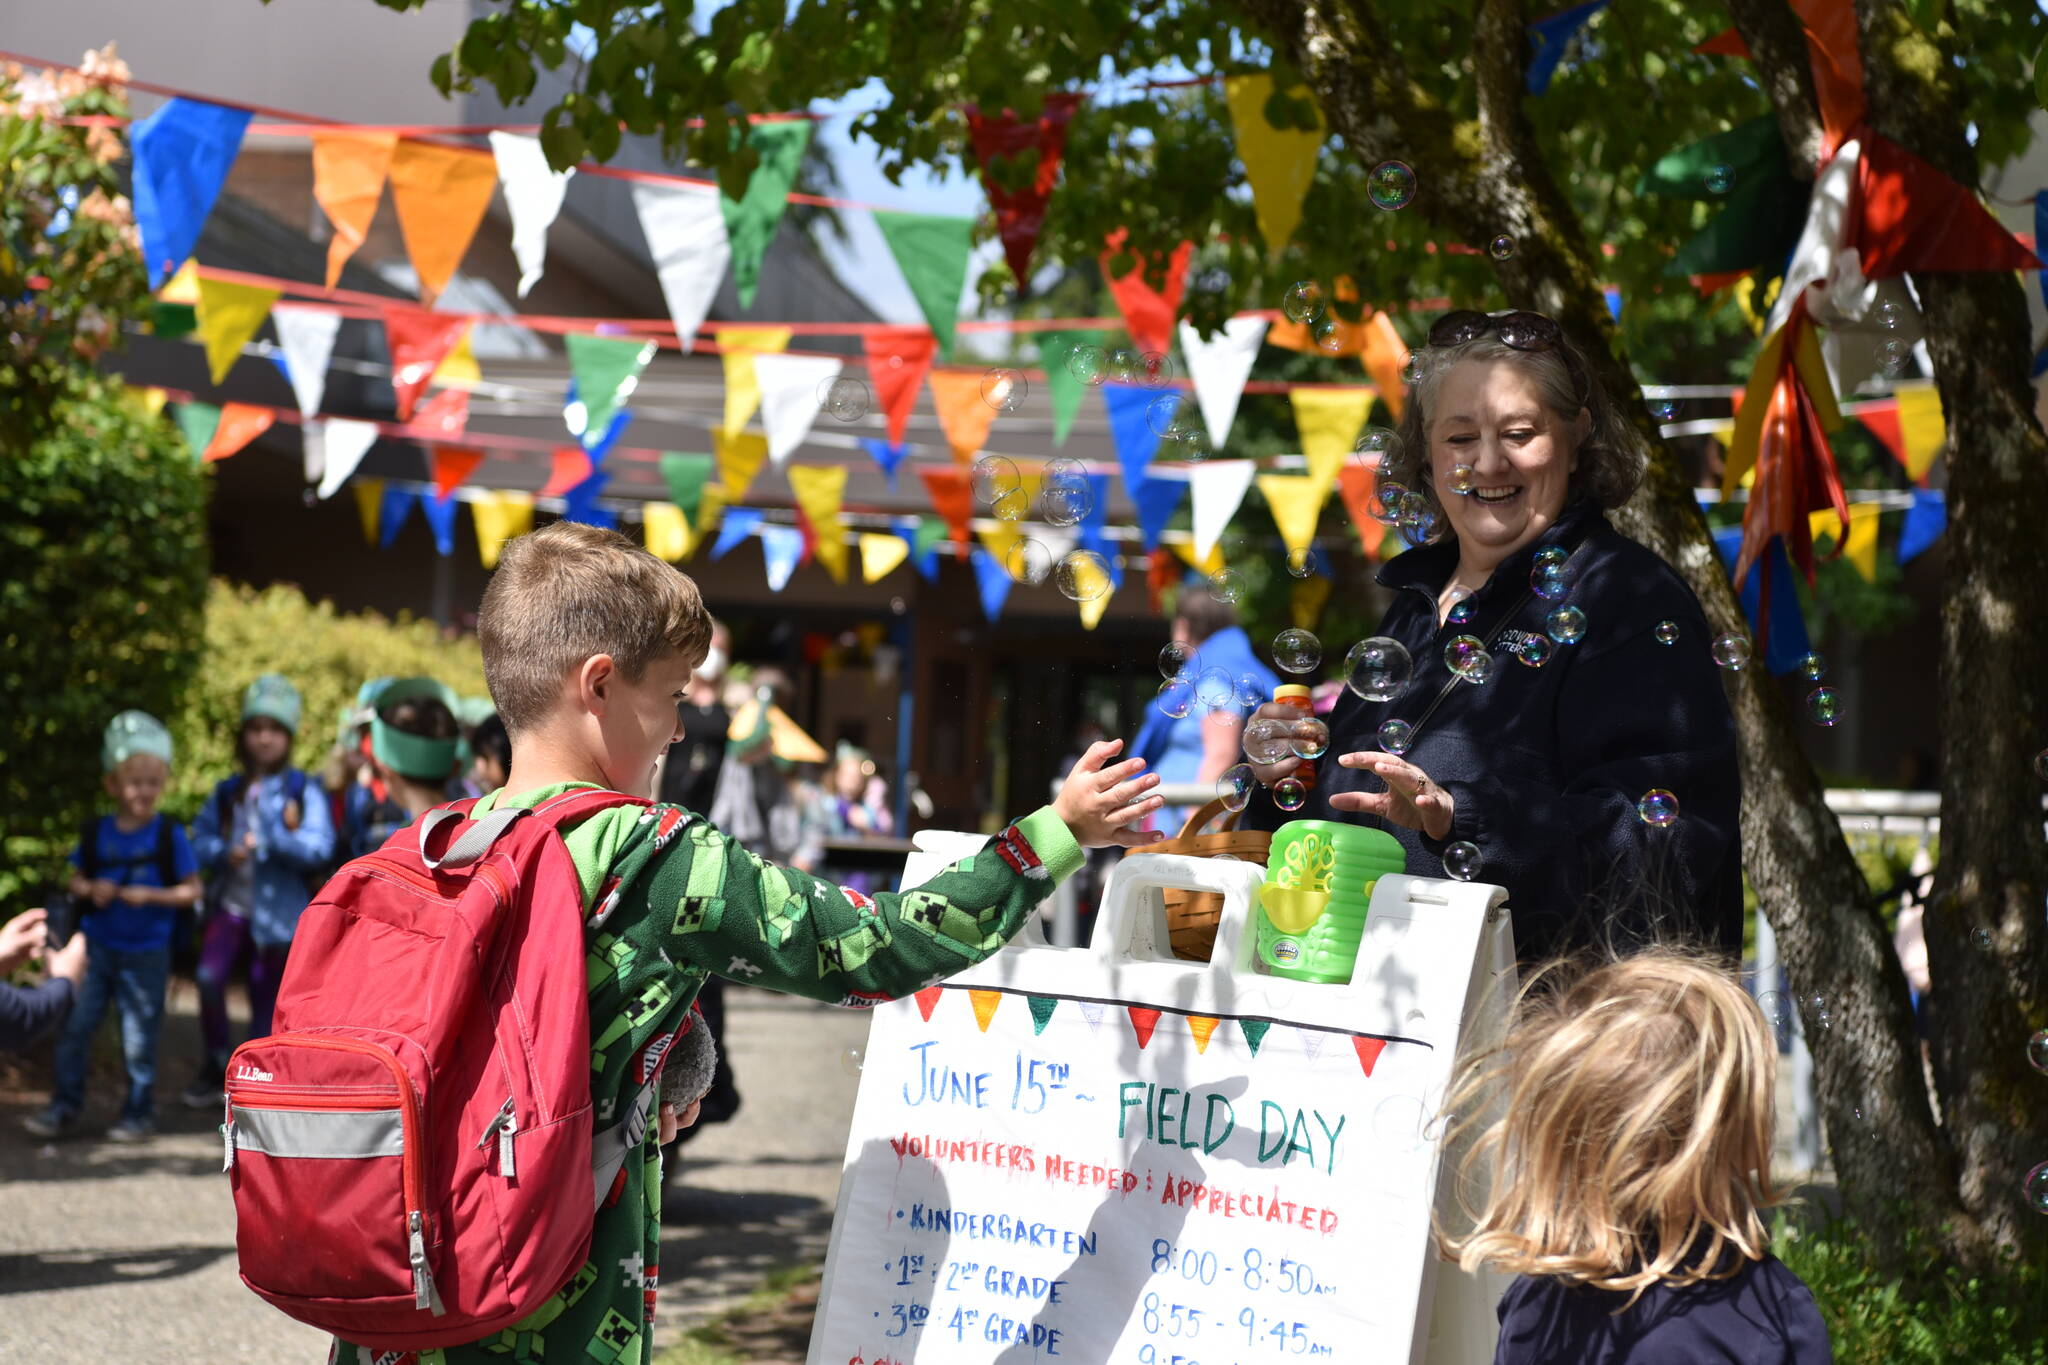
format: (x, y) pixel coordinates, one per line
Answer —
(773, 1323)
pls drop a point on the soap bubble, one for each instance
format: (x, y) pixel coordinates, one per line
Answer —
(1215, 689)
(1501, 247)
(1194, 443)
(844, 397)
(1461, 479)
(1890, 315)
(1776, 1009)
(1301, 563)
(1089, 364)
(1011, 505)
(1551, 556)
(1892, 355)
(1731, 651)
(1029, 562)
(1546, 579)
(1463, 653)
(2037, 1051)
(1176, 697)
(1155, 371)
(1720, 179)
(2035, 1186)
(1376, 444)
(1083, 575)
(1565, 624)
(1391, 185)
(1387, 496)
(1535, 650)
(1125, 366)
(1266, 739)
(1657, 808)
(1461, 613)
(1667, 632)
(1395, 736)
(1414, 370)
(851, 1061)
(1175, 659)
(1005, 389)
(1378, 668)
(1328, 336)
(1980, 938)
(1663, 409)
(1461, 860)
(1821, 1010)
(1227, 586)
(1297, 651)
(1235, 787)
(1251, 690)
(1823, 705)
(1811, 667)
(1065, 500)
(1290, 793)
(993, 476)
(1160, 414)
(1302, 302)
(1416, 530)
(2041, 765)
(1308, 738)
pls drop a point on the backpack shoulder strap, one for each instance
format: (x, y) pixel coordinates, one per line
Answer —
(581, 803)
(166, 852)
(225, 796)
(295, 785)
(89, 848)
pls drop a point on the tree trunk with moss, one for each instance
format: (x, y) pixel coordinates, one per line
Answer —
(1487, 176)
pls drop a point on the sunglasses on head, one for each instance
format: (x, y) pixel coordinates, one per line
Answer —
(1523, 331)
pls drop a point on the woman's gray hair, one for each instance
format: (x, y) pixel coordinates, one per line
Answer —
(1612, 458)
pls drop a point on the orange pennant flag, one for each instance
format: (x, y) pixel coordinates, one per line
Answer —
(348, 179)
(571, 467)
(453, 465)
(1385, 357)
(240, 423)
(1355, 486)
(985, 1003)
(1201, 1026)
(963, 416)
(441, 194)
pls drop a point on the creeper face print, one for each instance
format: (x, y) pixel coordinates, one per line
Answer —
(851, 950)
(703, 902)
(609, 957)
(618, 1339)
(950, 927)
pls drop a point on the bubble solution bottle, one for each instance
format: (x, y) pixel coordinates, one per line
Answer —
(1297, 696)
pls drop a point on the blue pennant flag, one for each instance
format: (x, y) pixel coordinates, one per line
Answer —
(739, 523)
(1788, 643)
(181, 154)
(1094, 538)
(1094, 530)
(1158, 500)
(2041, 233)
(926, 564)
(597, 445)
(1926, 519)
(886, 455)
(1130, 429)
(2040, 360)
(392, 511)
(441, 521)
(994, 581)
(283, 367)
(782, 547)
(1613, 303)
(580, 503)
(1548, 38)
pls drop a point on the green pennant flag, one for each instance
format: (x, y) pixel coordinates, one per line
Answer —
(170, 320)
(1055, 350)
(606, 371)
(1715, 166)
(1042, 1007)
(932, 254)
(931, 532)
(1254, 1032)
(686, 476)
(198, 421)
(1759, 226)
(751, 220)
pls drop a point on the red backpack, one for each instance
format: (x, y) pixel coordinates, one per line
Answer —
(411, 1149)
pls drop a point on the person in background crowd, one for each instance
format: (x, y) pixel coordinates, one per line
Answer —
(761, 800)
(491, 748)
(416, 745)
(135, 871)
(29, 1012)
(1200, 745)
(691, 767)
(262, 841)
(857, 800)
(350, 778)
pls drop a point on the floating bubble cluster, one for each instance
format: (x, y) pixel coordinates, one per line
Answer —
(1731, 651)
(1005, 389)
(1227, 586)
(1235, 787)
(1565, 624)
(1461, 860)
(1297, 651)
(1215, 689)
(1378, 668)
(993, 476)
(1089, 364)
(1391, 185)
(1265, 739)
(1082, 575)
(1657, 808)
(1011, 505)
(1461, 479)
(1463, 655)
(1303, 301)
(844, 397)
(1547, 573)
(1395, 736)
(1064, 503)
(1414, 370)
(1176, 697)
(1290, 793)
(1029, 562)
(1174, 659)
(1308, 738)
(1375, 444)
(1126, 366)
(1387, 497)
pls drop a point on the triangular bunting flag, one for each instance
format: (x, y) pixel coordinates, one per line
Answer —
(1201, 1026)
(880, 555)
(418, 341)
(499, 517)
(932, 253)
(1384, 357)
(1354, 486)
(1208, 565)
(1062, 385)
(963, 416)
(229, 315)
(343, 441)
(1148, 312)
(1925, 520)
(1312, 1042)
(348, 179)
(782, 549)
(1306, 599)
(1921, 428)
(992, 579)
(1787, 641)
(926, 535)
(1882, 421)
(1217, 487)
(927, 1000)
(1859, 547)
(1328, 421)
(150, 399)
(1143, 1021)
(685, 234)
(440, 514)
(1912, 217)
(1020, 212)
(440, 194)
(1157, 500)
(306, 336)
(985, 1003)
(739, 523)
(789, 397)
(180, 155)
(737, 347)
(1219, 368)
(533, 192)
(606, 370)
(898, 358)
(1092, 1013)
(445, 414)
(452, 467)
(1279, 160)
(1254, 1031)
(197, 422)
(1548, 39)
(392, 513)
(1368, 1050)
(240, 423)
(1296, 502)
(569, 466)
(819, 490)
(885, 455)
(751, 220)
(686, 476)
(1130, 427)
(740, 456)
(369, 496)
(952, 496)
(666, 531)
(458, 369)
(1042, 1007)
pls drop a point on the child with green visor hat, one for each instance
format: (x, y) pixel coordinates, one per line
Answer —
(415, 747)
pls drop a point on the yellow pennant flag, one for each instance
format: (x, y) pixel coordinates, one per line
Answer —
(150, 400)
(819, 490)
(1000, 539)
(1296, 502)
(499, 517)
(1212, 564)
(1328, 421)
(963, 414)
(710, 511)
(229, 315)
(739, 455)
(369, 502)
(1749, 418)
(1813, 372)
(737, 347)
(1306, 599)
(1093, 609)
(1921, 428)
(1860, 549)
(458, 369)
(1279, 162)
(182, 287)
(668, 532)
(880, 555)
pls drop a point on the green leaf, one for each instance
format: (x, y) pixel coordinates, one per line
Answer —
(560, 140)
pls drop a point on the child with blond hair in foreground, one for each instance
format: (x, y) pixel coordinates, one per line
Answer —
(1626, 1131)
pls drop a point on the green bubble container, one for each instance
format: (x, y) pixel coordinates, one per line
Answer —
(1321, 874)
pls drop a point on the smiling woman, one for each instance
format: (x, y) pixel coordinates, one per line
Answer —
(1564, 733)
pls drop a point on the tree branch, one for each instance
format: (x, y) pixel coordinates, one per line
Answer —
(1784, 65)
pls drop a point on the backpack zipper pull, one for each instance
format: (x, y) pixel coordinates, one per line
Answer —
(502, 1126)
(227, 1133)
(424, 1295)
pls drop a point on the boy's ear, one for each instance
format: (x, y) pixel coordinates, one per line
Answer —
(594, 679)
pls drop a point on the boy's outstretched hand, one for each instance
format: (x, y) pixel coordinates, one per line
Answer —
(1102, 805)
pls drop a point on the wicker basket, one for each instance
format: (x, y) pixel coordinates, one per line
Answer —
(1191, 916)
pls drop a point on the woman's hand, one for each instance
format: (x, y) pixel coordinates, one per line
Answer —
(1410, 800)
(1268, 773)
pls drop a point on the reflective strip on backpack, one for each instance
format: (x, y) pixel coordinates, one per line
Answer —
(349, 1134)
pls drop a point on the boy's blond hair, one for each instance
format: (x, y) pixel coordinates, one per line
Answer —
(569, 591)
(1625, 1126)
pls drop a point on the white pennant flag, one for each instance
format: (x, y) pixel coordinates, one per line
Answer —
(789, 397)
(306, 336)
(343, 442)
(1217, 487)
(1827, 221)
(685, 234)
(533, 192)
(1219, 367)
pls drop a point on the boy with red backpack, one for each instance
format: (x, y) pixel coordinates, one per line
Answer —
(382, 1190)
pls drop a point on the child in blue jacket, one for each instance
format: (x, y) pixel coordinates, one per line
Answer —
(265, 839)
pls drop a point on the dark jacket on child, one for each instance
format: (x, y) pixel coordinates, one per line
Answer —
(1762, 1315)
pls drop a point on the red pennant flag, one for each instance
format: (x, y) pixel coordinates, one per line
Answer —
(418, 341)
(952, 496)
(447, 412)
(453, 465)
(1369, 1050)
(927, 1000)
(1883, 423)
(1906, 215)
(1148, 312)
(898, 358)
(571, 467)
(1162, 571)
(1143, 1021)
(1021, 213)
(1727, 43)
(1354, 486)
(240, 423)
